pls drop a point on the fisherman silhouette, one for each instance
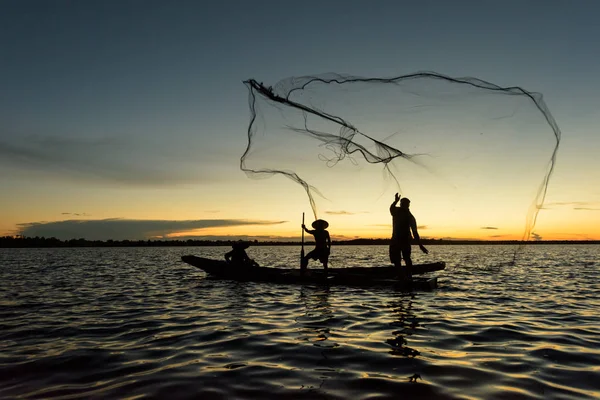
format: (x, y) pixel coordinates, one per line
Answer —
(238, 257)
(322, 244)
(400, 245)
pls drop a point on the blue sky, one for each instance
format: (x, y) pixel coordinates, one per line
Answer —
(136, 109)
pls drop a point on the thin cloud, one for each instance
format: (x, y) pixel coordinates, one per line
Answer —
(125, 229)
(423, 227)
(105, 159)
(567, 203)
(580, 236)
(575, 205)
(489, 227)
(263, 238)
(342, 212)
(76, 214)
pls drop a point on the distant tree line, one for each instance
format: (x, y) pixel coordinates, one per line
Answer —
(21, 241)
(24, 242)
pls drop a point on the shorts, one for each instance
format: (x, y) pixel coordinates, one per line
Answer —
(319, 254)
(399, 250)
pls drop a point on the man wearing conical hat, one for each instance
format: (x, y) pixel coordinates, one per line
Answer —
(238, 257)
(322, 244)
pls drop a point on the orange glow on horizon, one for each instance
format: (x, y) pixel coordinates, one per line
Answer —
(265, 233)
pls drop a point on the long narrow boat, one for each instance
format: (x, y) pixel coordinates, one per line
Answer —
(353, 276)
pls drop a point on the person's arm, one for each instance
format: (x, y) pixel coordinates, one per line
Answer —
(307, 230)
(393, 205)
(245, 257)
(228, 256)
(328, 238)
(413, 227)
(247, 260)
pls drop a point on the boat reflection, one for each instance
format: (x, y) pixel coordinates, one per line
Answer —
(237, 301)
(315, 324)
(228, 301)
(405, 324)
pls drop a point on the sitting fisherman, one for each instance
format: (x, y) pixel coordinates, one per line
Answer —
(322, 245)
(238, 257)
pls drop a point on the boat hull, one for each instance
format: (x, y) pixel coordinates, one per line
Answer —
(352, 276)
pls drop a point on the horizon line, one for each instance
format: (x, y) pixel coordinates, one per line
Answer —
(54, 242)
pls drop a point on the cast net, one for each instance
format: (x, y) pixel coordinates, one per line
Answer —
(475, 158)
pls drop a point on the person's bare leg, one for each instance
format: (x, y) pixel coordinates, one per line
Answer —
(406, 253)
(409, 264)
(303, 266)
(401, 270)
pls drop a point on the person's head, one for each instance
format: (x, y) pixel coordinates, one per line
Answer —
(320, 224)
(240, 245)
(404, 202)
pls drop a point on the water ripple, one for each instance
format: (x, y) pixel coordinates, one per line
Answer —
(136, 322)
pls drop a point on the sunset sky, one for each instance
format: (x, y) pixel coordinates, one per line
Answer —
(127, 119)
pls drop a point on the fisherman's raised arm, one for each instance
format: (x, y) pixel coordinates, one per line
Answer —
(393, 205)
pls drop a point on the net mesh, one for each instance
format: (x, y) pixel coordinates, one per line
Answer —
(471, 154)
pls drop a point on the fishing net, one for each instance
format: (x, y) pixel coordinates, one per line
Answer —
(474, 158)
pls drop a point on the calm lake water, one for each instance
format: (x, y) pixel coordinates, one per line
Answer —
(137, 322)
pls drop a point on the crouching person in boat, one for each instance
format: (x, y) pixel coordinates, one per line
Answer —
(322, 245)
(238, 256)
(400, 246)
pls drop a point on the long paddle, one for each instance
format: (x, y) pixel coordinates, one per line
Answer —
(302, 251)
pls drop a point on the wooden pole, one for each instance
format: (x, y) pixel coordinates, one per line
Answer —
(302, 251)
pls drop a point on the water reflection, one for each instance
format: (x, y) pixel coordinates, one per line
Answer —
(406, 321)
(230, 300)
(315, 324)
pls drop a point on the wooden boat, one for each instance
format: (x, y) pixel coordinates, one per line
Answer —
(352, 276)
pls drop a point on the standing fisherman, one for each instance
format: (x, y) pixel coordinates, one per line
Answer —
(322, 244)
(400, 245)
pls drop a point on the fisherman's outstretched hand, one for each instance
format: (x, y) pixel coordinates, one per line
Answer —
(396, 197)
(423, 249)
